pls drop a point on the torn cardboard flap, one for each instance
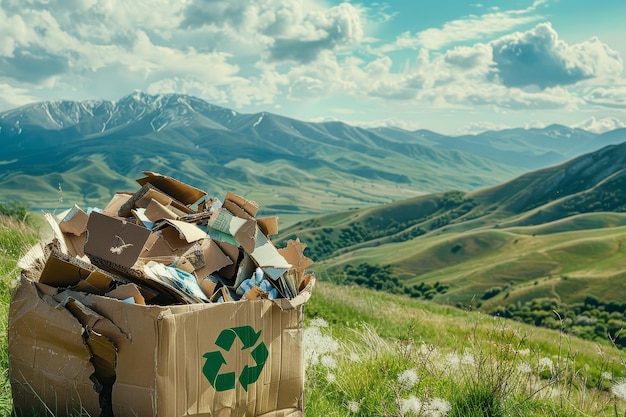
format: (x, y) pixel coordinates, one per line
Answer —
(294, 254)
(157, 211)
(62, 271)
(180, 191)
(98, 282)
(74, 228)
(213, 259)
(187, 231)
(126, 291)
(268, 225)
(117, 201)
(102, 338)
(145, 195)
(49, 362)
(89, 319)
(248, 206)
(235, 254)
(74, 222)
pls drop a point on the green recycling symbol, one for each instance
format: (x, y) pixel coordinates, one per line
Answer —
(215, 360)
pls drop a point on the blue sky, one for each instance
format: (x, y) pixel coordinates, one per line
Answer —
(450, 66)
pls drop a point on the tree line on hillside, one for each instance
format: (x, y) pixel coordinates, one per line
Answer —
(381, 278)
(592, 319)
(325, 242)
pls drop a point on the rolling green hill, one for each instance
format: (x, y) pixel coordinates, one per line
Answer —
(557, 233)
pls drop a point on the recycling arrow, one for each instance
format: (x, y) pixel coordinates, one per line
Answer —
(211, 369)
(249, 374)
(246, 334)
(215, 360)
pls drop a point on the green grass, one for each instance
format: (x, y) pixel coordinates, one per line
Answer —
(371, 354)
(15, 238)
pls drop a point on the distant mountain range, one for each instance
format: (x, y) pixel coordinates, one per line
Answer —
(55, 154)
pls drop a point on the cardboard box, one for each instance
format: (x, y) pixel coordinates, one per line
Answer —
(230, 359)
(160, 305)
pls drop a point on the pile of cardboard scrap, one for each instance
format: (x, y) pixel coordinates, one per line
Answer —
(167, 249)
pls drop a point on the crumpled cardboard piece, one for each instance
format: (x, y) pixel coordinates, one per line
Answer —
(247, 233)
(180, 191)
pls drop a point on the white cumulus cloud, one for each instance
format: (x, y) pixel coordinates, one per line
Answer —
(539, 58)
(600, 125)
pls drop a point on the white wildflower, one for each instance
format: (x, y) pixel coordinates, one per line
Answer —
(318, 322)
(546, 364)
(328, 361)
(438, 407)
(331, 378)
(524, 368)
(452, 360)
(523, 352)
(410, 406)
(619, 389)
(317, 345)
(354, 357)
(354, 406)
(425, 350)
(607, 376)
(408, 379)
(468, 359)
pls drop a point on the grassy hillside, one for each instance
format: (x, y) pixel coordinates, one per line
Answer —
(369, 353)
(556, 233)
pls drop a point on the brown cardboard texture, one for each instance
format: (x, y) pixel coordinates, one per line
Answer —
(157, 211)
(48, 357)
(268, 225)
(228, 359)
(113, 242)
(147, 194)
(117, 201)
(62, 271)
(116, 244)
(182, 192)
(248, 206)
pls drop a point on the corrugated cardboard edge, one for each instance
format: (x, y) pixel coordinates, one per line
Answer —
(68, 384)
